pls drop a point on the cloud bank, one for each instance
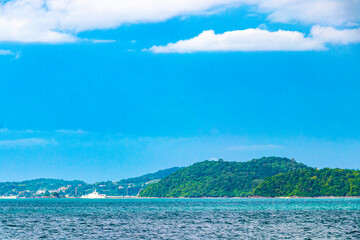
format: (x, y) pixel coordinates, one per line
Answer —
(262, 40)
(59, 21)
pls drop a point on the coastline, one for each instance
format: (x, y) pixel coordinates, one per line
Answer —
(134, 197)
(294, 197)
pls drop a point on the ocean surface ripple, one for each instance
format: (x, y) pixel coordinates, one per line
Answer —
(180, 219)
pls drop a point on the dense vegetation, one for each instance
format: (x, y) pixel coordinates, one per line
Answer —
(266, 177)
(311, 183)
(150, 177)
(132, 186)
(29, 187)
(58, 187)
(220, 178)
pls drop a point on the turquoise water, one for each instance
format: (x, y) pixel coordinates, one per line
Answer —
(180, 219)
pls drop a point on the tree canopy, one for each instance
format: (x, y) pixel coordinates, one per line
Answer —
(220, 178)
(311, 183)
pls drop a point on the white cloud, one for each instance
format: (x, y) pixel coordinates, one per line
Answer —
(55, 21)
(16, 55)
(325, 12)
(261, 40)
(242, 40)
(26, 142)
(59, 21)
(103, 41)
(71, 132)
(6, 52)
(334, 36)
(42, 132)
(254, 147)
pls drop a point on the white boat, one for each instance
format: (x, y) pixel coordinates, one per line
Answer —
(8, 197)
(94, 195)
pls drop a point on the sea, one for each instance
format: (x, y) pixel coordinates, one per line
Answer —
(227, 218)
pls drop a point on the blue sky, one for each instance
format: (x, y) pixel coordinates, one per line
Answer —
(116, 90)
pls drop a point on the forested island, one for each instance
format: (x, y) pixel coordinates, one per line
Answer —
(220, 178)
(264, 177)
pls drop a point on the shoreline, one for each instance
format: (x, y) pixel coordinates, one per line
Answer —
(134, 197)
(294, 197)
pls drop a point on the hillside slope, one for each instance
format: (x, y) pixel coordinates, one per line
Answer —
(150, 176)
(132, 186)
(311, 183)
(30, 187)
(220, 178)
(42, 186)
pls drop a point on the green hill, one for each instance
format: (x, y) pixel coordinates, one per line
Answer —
(43, 186)
(132, 186)
(30, 187)
(150, 177)
(311, 183)
(220, 178)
